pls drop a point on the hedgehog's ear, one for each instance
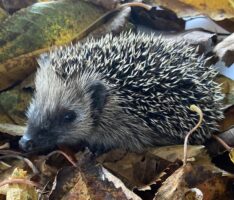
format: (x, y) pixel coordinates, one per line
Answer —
(99, 94)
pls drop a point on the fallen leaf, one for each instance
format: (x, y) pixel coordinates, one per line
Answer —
(172, 153)
(47, 24)
(228, 120)
(134, 169)
(11, 129)
(225, 50)
(148, 191)
(18, 191)
(197, 38)
(217, 10)
(158, 19)
(212, 185)
(88, 181)
(231, 155)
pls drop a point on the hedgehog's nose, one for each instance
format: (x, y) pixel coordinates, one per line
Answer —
(26, 144)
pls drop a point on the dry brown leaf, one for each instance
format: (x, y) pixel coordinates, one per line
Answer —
(202, 40)
(227, 85)
(228, 120)
(217, 10)
(172, 153)
(19, 191)
(88, 181)
(212, 185)
(11, 129)
(225, 50)
(227, 24)
(134, 169)
(228, 136)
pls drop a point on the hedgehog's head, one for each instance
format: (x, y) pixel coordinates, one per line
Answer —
(66, 106)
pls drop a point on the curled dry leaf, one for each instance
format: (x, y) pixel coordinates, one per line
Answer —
(46, 24)
(225, 50)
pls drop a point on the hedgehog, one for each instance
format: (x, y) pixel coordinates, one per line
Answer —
(130, 91)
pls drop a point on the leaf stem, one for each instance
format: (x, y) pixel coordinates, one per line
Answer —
(200, 113)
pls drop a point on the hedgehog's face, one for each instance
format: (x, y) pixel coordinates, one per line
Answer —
(61, 113)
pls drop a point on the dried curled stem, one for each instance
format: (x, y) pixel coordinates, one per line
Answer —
(64, 154)
(223, 143)
(19, 181)
(136, 4)
(26, 160)
(200, 113)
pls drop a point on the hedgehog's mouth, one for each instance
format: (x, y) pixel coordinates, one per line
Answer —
(30, 145)
(41, 150)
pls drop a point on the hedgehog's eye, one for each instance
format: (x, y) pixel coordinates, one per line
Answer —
(69, 116)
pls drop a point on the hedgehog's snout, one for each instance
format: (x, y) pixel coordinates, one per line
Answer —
(26, 143)
(35, 139)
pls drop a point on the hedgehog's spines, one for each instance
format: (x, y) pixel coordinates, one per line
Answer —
(154, 80)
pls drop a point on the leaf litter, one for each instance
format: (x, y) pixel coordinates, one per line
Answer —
(170, 172)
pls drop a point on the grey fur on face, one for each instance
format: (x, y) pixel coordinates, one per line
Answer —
(132, 91)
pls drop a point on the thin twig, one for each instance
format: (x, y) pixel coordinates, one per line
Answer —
(5, 146)
(26, 160)
(136, 4)
(64, 154)
(19, 181)
(6, 152)
(223, 143)
(197, 110)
